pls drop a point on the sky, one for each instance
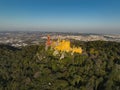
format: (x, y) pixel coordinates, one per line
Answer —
(84, 16)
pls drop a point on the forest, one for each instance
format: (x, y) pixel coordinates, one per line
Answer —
(33, 68)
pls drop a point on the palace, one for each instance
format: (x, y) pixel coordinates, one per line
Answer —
(62, 46)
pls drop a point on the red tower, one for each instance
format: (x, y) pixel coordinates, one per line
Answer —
(48, 42)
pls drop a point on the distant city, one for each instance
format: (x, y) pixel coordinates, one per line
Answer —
(22, 38)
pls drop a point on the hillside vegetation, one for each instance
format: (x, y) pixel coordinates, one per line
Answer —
(33, 68)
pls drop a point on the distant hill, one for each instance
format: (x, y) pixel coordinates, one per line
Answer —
(33, 68)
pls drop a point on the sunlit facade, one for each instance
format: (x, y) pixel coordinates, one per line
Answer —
(62, 46)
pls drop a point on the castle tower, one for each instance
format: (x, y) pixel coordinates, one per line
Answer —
(48, 42)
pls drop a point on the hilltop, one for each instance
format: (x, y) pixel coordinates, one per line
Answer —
(33, 68)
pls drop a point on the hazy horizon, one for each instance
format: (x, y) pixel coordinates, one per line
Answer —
(83, 16)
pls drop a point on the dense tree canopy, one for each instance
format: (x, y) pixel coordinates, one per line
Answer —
(33, 68)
